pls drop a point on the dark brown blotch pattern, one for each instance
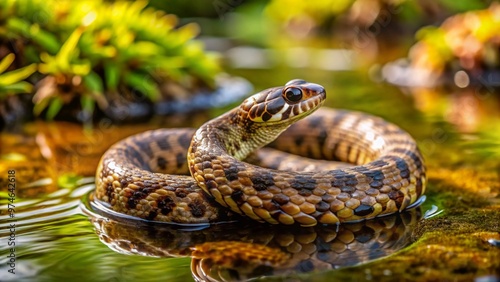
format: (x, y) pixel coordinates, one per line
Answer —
(237, 197)
(303, 182)
(263, 181)
(231, 173)
(281, 199)
(161, 162)
(180, 160)
(397, 196)
(197, 208)
(185, 140)
(166, 204)
(363, 210)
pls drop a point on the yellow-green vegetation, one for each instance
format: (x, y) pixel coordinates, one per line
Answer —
(90, 51)
(362, 13)
(12, 82)
(454, 246)
(468, 41)
(319, 11)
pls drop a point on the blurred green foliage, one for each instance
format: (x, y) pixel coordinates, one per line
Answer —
(321, 12)
(187, 9)
(347, 20)
(12, 82)
(91, 50)
(318, 11)
(468, 41)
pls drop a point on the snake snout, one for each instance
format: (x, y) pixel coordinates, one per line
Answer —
(315, 90)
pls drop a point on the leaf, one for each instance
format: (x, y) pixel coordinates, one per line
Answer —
(6, 62)
(17, 75)
(188, 31)
(19, 25)
(93, 82)
(141, 50)
(143, 83)
(41, 104)
(20, 87)
(112, 75)
(54, 107)
(168, 62)
(88, 104)
(45, 39)
(51, 65)
(48, 65)
(95, 85)
(64, 55)
(80, 69)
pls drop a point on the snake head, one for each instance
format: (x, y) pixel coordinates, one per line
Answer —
(286, 104)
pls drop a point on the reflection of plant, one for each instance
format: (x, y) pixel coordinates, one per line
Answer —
(486, 142)
(12, 82)
(92, 51)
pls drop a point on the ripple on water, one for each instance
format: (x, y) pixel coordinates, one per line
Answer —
(40, 227)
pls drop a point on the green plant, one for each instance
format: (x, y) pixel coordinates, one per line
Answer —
(12, 82)
(95, 51)
(468, 41)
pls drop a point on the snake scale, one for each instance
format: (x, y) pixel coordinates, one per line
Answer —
(143, 175)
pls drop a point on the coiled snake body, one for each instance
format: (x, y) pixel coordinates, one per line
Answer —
(139, 176)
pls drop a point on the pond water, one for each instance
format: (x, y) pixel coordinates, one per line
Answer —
(453, 235)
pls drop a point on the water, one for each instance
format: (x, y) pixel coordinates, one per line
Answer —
(57, 236)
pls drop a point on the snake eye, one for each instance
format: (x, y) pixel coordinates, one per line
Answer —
(293, 94)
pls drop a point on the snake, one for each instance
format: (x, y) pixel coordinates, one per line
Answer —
(211, 174)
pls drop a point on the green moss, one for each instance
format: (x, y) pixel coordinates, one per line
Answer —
(453, 246)
(449, 248)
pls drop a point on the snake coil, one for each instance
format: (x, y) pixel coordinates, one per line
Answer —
(140, 175)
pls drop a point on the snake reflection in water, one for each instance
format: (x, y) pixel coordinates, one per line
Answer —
(242, 251)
